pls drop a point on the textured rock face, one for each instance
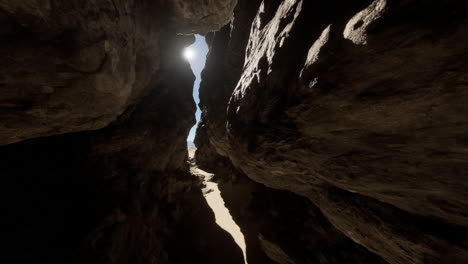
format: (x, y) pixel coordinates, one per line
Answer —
(279, 226)
(116, 195)
(117, 190)
(362, 109)
(338, 130)
(69, 66)
(200, 16)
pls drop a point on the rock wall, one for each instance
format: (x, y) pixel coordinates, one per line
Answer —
(69, 66)
(280, 226)
(337, 129)
(359, 106)
(95, 108)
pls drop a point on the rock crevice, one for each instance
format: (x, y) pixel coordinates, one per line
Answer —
(95, 108)
(337, 131)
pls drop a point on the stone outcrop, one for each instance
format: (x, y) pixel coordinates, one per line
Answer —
(359, 106)
(95, 108)
(199, 16)
(69, 66)
(121, 194)
(279, 226)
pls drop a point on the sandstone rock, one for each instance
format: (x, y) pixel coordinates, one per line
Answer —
(121, 194)
(200, 16)
(362, 109)
(337, 130)
(69, 66)
(279, 226)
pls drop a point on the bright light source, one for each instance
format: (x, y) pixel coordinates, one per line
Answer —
(189, 54)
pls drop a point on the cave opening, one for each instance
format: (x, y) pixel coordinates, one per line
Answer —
(196, 54)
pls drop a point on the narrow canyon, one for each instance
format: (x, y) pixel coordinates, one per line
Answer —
(330, 132)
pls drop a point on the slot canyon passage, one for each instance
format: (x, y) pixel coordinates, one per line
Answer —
(336, 131)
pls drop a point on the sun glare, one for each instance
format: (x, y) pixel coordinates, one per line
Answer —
(189, 53)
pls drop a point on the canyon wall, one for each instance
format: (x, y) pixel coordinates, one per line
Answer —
(337, 131)
(95, 108)
(349, 116)
(70, 66)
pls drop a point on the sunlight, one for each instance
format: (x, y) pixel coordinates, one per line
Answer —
(214, 199)
(222, 216)
(189, 54)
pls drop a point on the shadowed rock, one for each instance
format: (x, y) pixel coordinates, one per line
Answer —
(117, 189)
(358, 106)
(69, 66)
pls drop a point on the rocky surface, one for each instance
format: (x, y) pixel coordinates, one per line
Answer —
(199, 16)
(121, 194)
(337, 130)
(282, 227)
(361, 109)
(69, 66)
(117, 189)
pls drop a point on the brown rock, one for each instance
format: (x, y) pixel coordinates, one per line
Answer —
(361, 109)
(337, 130)
(279, 226)
(120, 192)
(69, 66)
(200, 16)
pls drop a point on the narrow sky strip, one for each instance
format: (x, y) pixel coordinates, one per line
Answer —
(196, 55)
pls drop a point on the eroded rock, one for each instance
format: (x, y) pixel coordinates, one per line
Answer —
(117, 189)
(361, 109)
(121, 194)
(200, 16)
(69, 66)
(279, 226)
